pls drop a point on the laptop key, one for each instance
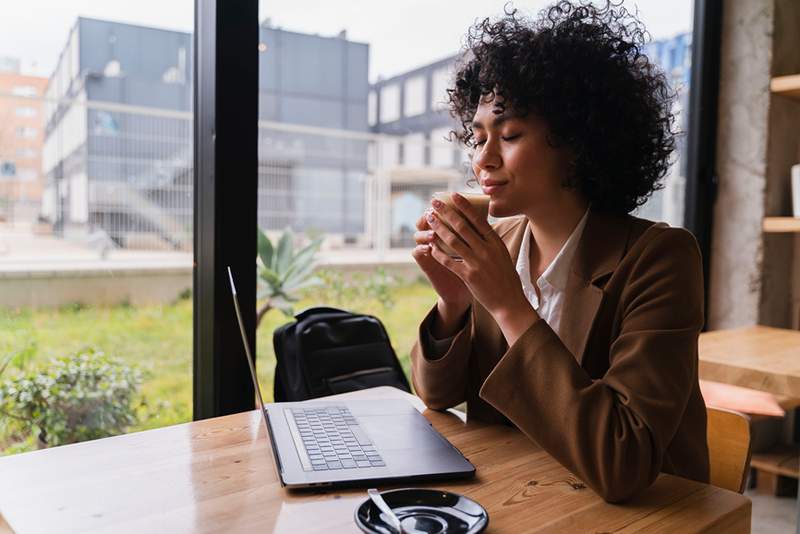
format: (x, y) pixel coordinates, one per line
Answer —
(319, 467)
(378, 464)
(363, 463)
(348, 464)
(335, 465)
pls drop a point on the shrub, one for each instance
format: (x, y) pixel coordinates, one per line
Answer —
(356, 289)
(83, 396)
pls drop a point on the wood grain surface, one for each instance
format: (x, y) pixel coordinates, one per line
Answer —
(758, 357)
(218, 475)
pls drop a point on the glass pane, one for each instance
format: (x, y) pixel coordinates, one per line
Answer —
(354, 139)
(95, 219)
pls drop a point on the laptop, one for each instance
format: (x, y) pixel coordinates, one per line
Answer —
(351, 443)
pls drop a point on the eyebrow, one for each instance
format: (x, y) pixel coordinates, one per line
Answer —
(497, 121)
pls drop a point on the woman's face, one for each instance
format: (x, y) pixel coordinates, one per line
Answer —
(514, 163)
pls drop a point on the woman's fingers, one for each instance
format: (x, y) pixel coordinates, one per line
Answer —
(479, 223)
(422, 222)
(424, 237)
(458, 224)
(448, 236)
(446, 260)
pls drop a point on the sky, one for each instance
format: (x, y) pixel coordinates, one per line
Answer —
(402, 34)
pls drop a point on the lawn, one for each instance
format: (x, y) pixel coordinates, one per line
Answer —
(158, 339)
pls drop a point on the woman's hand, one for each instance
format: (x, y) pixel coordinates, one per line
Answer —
(485, 266)
(454, 297)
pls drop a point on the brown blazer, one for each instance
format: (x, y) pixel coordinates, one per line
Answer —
(617, 400)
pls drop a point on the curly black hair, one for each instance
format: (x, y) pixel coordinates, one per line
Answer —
(582, 69)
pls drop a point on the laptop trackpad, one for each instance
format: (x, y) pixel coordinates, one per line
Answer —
(400, 432)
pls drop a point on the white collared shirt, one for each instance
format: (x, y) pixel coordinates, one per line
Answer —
(553, 281)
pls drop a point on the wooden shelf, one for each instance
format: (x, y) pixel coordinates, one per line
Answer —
(781, 461)
(781, 224)
(786, 85)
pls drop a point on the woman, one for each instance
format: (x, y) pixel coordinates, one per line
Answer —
(570, 318)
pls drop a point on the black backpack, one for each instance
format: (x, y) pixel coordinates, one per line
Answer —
(327, 351)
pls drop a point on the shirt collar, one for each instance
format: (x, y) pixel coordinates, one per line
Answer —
(557, 273)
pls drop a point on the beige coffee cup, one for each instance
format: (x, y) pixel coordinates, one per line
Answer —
(478, 201)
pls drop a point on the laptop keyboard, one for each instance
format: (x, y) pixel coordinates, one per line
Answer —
(333, 439)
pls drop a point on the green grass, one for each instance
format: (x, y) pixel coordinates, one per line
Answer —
(158, 339)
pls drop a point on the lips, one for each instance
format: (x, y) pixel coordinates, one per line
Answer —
(491, 187)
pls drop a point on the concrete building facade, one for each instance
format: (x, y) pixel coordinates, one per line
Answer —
(118, 148)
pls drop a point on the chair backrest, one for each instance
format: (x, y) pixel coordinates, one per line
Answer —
(728, 448)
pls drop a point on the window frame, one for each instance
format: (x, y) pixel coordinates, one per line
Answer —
(701, 141)
(225, 210)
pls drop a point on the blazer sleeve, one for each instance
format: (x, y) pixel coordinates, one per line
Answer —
(440, 380)
(612, 432)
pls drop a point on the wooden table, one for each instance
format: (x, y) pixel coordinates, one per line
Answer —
(757, 357)
(218, 475)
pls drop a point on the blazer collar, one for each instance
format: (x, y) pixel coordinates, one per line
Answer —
(599, 250)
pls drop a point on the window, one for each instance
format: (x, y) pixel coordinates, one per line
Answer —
(352, 133)
(104, 174)
(414, 150)
(673, 56)
(27, 153)
(26, 132)
(372, 108)
(24, 90)
(26, 174)
(443, 151)
(8, 168)
(390, 103)
(25, 112)
(177, 73)
(414, 96)
(440, 78)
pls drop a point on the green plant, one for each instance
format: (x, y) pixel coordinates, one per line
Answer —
(357, 288)
(82, 396)
(283, 272)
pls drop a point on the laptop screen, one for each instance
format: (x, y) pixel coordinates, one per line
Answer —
(250, 360)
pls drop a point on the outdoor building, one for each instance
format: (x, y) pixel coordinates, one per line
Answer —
(117, 153)
(118, 156)
(21, 136)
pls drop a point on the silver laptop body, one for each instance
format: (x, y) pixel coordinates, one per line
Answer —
(325, 443)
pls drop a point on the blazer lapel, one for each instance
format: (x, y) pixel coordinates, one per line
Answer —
(513, 237)
(599, 251)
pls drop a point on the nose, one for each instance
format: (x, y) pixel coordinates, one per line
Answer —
(487, 157)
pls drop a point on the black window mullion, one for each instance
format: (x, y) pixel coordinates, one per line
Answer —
(701, 143)
(225, 201)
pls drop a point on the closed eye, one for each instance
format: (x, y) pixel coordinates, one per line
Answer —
(510, 137)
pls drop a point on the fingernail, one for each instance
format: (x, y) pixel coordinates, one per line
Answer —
(431, 218)
(437, 203)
